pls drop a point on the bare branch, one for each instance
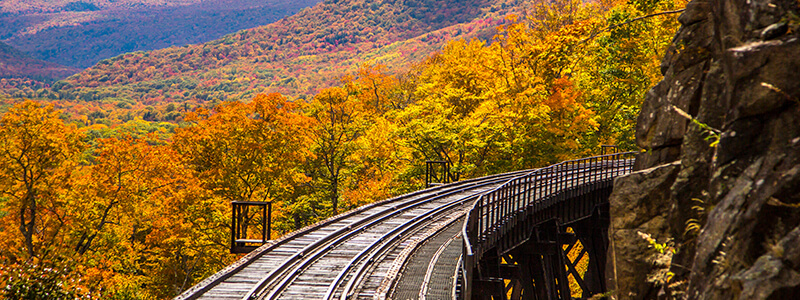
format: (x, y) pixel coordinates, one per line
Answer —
(631, 21)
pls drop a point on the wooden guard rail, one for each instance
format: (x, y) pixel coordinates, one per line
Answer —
(528, 194)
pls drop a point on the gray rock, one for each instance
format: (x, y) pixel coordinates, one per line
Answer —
(774, 31)
(768, 278)
(639, 203)
(738, 72)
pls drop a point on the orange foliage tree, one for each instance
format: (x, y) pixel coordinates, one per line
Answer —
(137, 210)
(247, 151)
(356, 151)
(338, 122)
(37, 152)
(125, 217)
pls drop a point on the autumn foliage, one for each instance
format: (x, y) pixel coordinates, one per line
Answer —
(296, 56)
(107, 203)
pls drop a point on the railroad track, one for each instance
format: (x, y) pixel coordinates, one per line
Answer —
(337, 257)
(358, 254)
(433, 271)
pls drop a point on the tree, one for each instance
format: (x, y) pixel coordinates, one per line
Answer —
(37, 152)
(622, 61)
(379, 156)
(338, 123)
(246, 151)
(458, 114)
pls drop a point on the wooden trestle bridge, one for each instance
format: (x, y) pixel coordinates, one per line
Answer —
(534, 234)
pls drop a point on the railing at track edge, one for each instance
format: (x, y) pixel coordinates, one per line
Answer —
(494, 208)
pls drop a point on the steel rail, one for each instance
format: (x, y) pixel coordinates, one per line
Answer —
(286, 279)
(342, 233)
(390, 237)
(209, 283)
(423, 290)
(220, 277)
(491, 214)
(347, 293)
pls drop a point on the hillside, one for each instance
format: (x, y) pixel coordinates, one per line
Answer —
(17, 7)
(20, 74)
(15, 63)
(296, 56)
(81, 33)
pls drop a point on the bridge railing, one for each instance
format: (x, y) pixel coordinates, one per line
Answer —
(499, 208)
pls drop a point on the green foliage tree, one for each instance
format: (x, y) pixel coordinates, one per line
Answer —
(339, 122)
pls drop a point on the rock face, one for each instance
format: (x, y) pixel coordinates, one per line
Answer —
(732, 210)
(640, 205)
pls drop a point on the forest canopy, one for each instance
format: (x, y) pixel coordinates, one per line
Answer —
(117, 199)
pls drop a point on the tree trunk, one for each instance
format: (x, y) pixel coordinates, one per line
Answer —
(335, 195)
(26, 228)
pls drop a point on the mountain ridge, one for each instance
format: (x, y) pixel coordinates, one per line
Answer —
(296, 55)
(18, 64)
(80, 35)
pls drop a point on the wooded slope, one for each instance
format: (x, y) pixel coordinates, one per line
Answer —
(296, 56)
(81, 33)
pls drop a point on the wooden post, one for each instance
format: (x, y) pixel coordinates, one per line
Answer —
(240, 220)
(269, 221)
(264, 236)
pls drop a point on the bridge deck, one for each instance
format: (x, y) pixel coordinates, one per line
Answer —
(433, 266)
(407, 247)
(328, 259)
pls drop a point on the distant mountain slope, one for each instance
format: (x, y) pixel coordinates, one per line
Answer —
(22, 75)
(16, 64)
(16, 7)
(297, 55)
(81, 33)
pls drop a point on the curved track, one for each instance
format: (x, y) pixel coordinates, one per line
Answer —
(347, 255)
(406, 247)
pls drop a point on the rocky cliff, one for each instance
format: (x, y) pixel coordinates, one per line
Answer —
(713, 211)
